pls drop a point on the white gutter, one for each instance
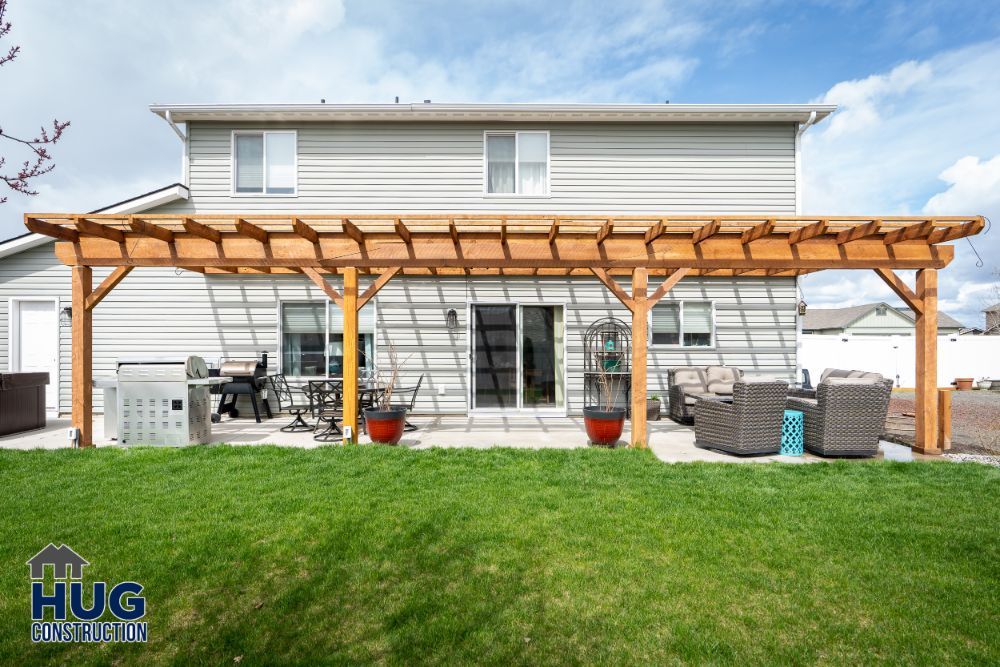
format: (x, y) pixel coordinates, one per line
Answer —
(185, 175)
(798, 211)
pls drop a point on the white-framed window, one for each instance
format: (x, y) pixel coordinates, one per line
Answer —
(683, 323)
(516, 163)
(265, 162)
(312, 339)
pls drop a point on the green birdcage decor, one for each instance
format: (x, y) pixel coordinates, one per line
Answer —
(607, 349)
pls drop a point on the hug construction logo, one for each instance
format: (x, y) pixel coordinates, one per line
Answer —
(70, 619)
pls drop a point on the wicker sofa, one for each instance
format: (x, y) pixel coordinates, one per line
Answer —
(686, 381)
(751, 424)
(845, 414)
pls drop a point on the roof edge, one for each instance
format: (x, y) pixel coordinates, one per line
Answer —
(799, 113)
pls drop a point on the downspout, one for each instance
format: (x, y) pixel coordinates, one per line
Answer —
(185, 174)
(798, 211)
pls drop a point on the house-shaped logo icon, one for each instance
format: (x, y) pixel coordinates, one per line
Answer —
(60, 558)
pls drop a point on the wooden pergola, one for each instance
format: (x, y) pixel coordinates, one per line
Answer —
(386, 245)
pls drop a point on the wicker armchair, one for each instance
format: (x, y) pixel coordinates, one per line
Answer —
(686, 381)
(751, 424)
(847, 416)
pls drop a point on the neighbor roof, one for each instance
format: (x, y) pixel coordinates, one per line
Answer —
(841, 318)
(992, 309)
(657, 113)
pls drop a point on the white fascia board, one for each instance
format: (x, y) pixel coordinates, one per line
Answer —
(735, 113)
(22, 243)
(145, 202)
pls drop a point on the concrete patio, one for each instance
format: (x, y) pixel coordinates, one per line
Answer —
(670, 442)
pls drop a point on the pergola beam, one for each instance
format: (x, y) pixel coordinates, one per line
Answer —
(251, 230)
(106, 286)
(953, 233)
(604, 232)
(321, 283)
(706, 232)
(758, 231)
(144, 228)
(85, 226)
(613, 285)
(901, 289)
(305, 231)
(805, 233)
(667, 285)
(909, 233)
(377, 284)
(403, 232)
(48, 229)
(554, 231)
(204, 231)
(859, 232)
(353, 231)
(655, 232)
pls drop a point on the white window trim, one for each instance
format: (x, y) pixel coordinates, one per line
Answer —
(326, 319)
(232, 163)
(680, 318)
(486, 165)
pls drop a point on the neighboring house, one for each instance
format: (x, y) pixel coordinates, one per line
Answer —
(992, 318)
(870, 319)
(617, 159)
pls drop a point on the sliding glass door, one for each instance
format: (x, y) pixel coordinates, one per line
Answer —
(518, 357)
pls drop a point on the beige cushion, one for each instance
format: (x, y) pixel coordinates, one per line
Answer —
(855, 381)
(833, 373)
(721, 388)
(691, 379)
(721, 374)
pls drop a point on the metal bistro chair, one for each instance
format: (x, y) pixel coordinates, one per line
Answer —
(327, 408)
(368, 397)
(297, 401)
(408, 396)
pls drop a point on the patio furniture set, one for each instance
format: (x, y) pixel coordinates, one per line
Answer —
(844, 415)
(322, 401)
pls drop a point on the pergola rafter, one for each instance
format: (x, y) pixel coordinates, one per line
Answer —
(509, 244)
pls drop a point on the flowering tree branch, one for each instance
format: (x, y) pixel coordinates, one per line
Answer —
(41, 162)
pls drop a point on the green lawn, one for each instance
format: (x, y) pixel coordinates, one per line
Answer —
(377, 554)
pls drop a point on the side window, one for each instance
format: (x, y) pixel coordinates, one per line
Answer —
(683, 323)
(517, 163)
(264, 163)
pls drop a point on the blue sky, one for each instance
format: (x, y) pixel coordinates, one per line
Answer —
(918, 84)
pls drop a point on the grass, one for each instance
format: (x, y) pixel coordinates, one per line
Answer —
(377, 554)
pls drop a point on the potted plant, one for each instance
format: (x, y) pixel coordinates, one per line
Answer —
(964, 384)
(604, 422)
(385, 421)
(985, 383)
(653, 407)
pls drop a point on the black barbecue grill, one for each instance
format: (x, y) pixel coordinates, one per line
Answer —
(249, 378)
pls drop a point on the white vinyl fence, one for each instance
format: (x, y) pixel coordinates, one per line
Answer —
(894, 356)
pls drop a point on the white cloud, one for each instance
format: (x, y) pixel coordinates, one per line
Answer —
(973, 185)
(902, 144)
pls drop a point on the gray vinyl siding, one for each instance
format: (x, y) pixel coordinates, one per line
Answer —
(595, 168)
(158, 312)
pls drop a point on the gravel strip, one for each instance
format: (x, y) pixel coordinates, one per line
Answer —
(975, 458)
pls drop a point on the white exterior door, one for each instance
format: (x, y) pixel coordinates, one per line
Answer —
(35, 342)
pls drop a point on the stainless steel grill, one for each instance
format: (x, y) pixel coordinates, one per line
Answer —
(164, 401)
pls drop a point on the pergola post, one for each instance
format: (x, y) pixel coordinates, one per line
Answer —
(82, 356)
(351, 353)
(926, 439)
(640, 310)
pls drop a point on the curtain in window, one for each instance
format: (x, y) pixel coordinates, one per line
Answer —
(666, 324)
(249, 163)
(697, 323)
(532, 156)
(500, 163)
(280, 162)
(366, 319)
(302, 335)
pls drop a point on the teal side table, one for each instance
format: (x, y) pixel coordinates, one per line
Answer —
(792, 428)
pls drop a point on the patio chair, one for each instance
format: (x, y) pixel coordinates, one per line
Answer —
(296, 401)
(328, 408)
(408, 396)
(847, 417)
(751, 424)
(685, 383)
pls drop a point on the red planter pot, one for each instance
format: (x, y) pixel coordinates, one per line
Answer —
(385, 426)
(604, 427)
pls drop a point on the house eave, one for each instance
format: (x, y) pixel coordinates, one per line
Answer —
(623, 113)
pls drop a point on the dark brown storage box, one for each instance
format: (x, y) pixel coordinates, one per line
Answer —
(22, 401)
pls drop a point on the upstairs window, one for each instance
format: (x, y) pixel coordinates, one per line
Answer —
(683, 323)
(264, 163)
(517, 163)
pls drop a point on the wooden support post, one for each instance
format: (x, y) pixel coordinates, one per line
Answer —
(640, 308)
(944, 419)
(83, 359)
(926, 349)
(350, 305)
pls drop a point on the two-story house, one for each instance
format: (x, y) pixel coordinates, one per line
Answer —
(507, 342)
